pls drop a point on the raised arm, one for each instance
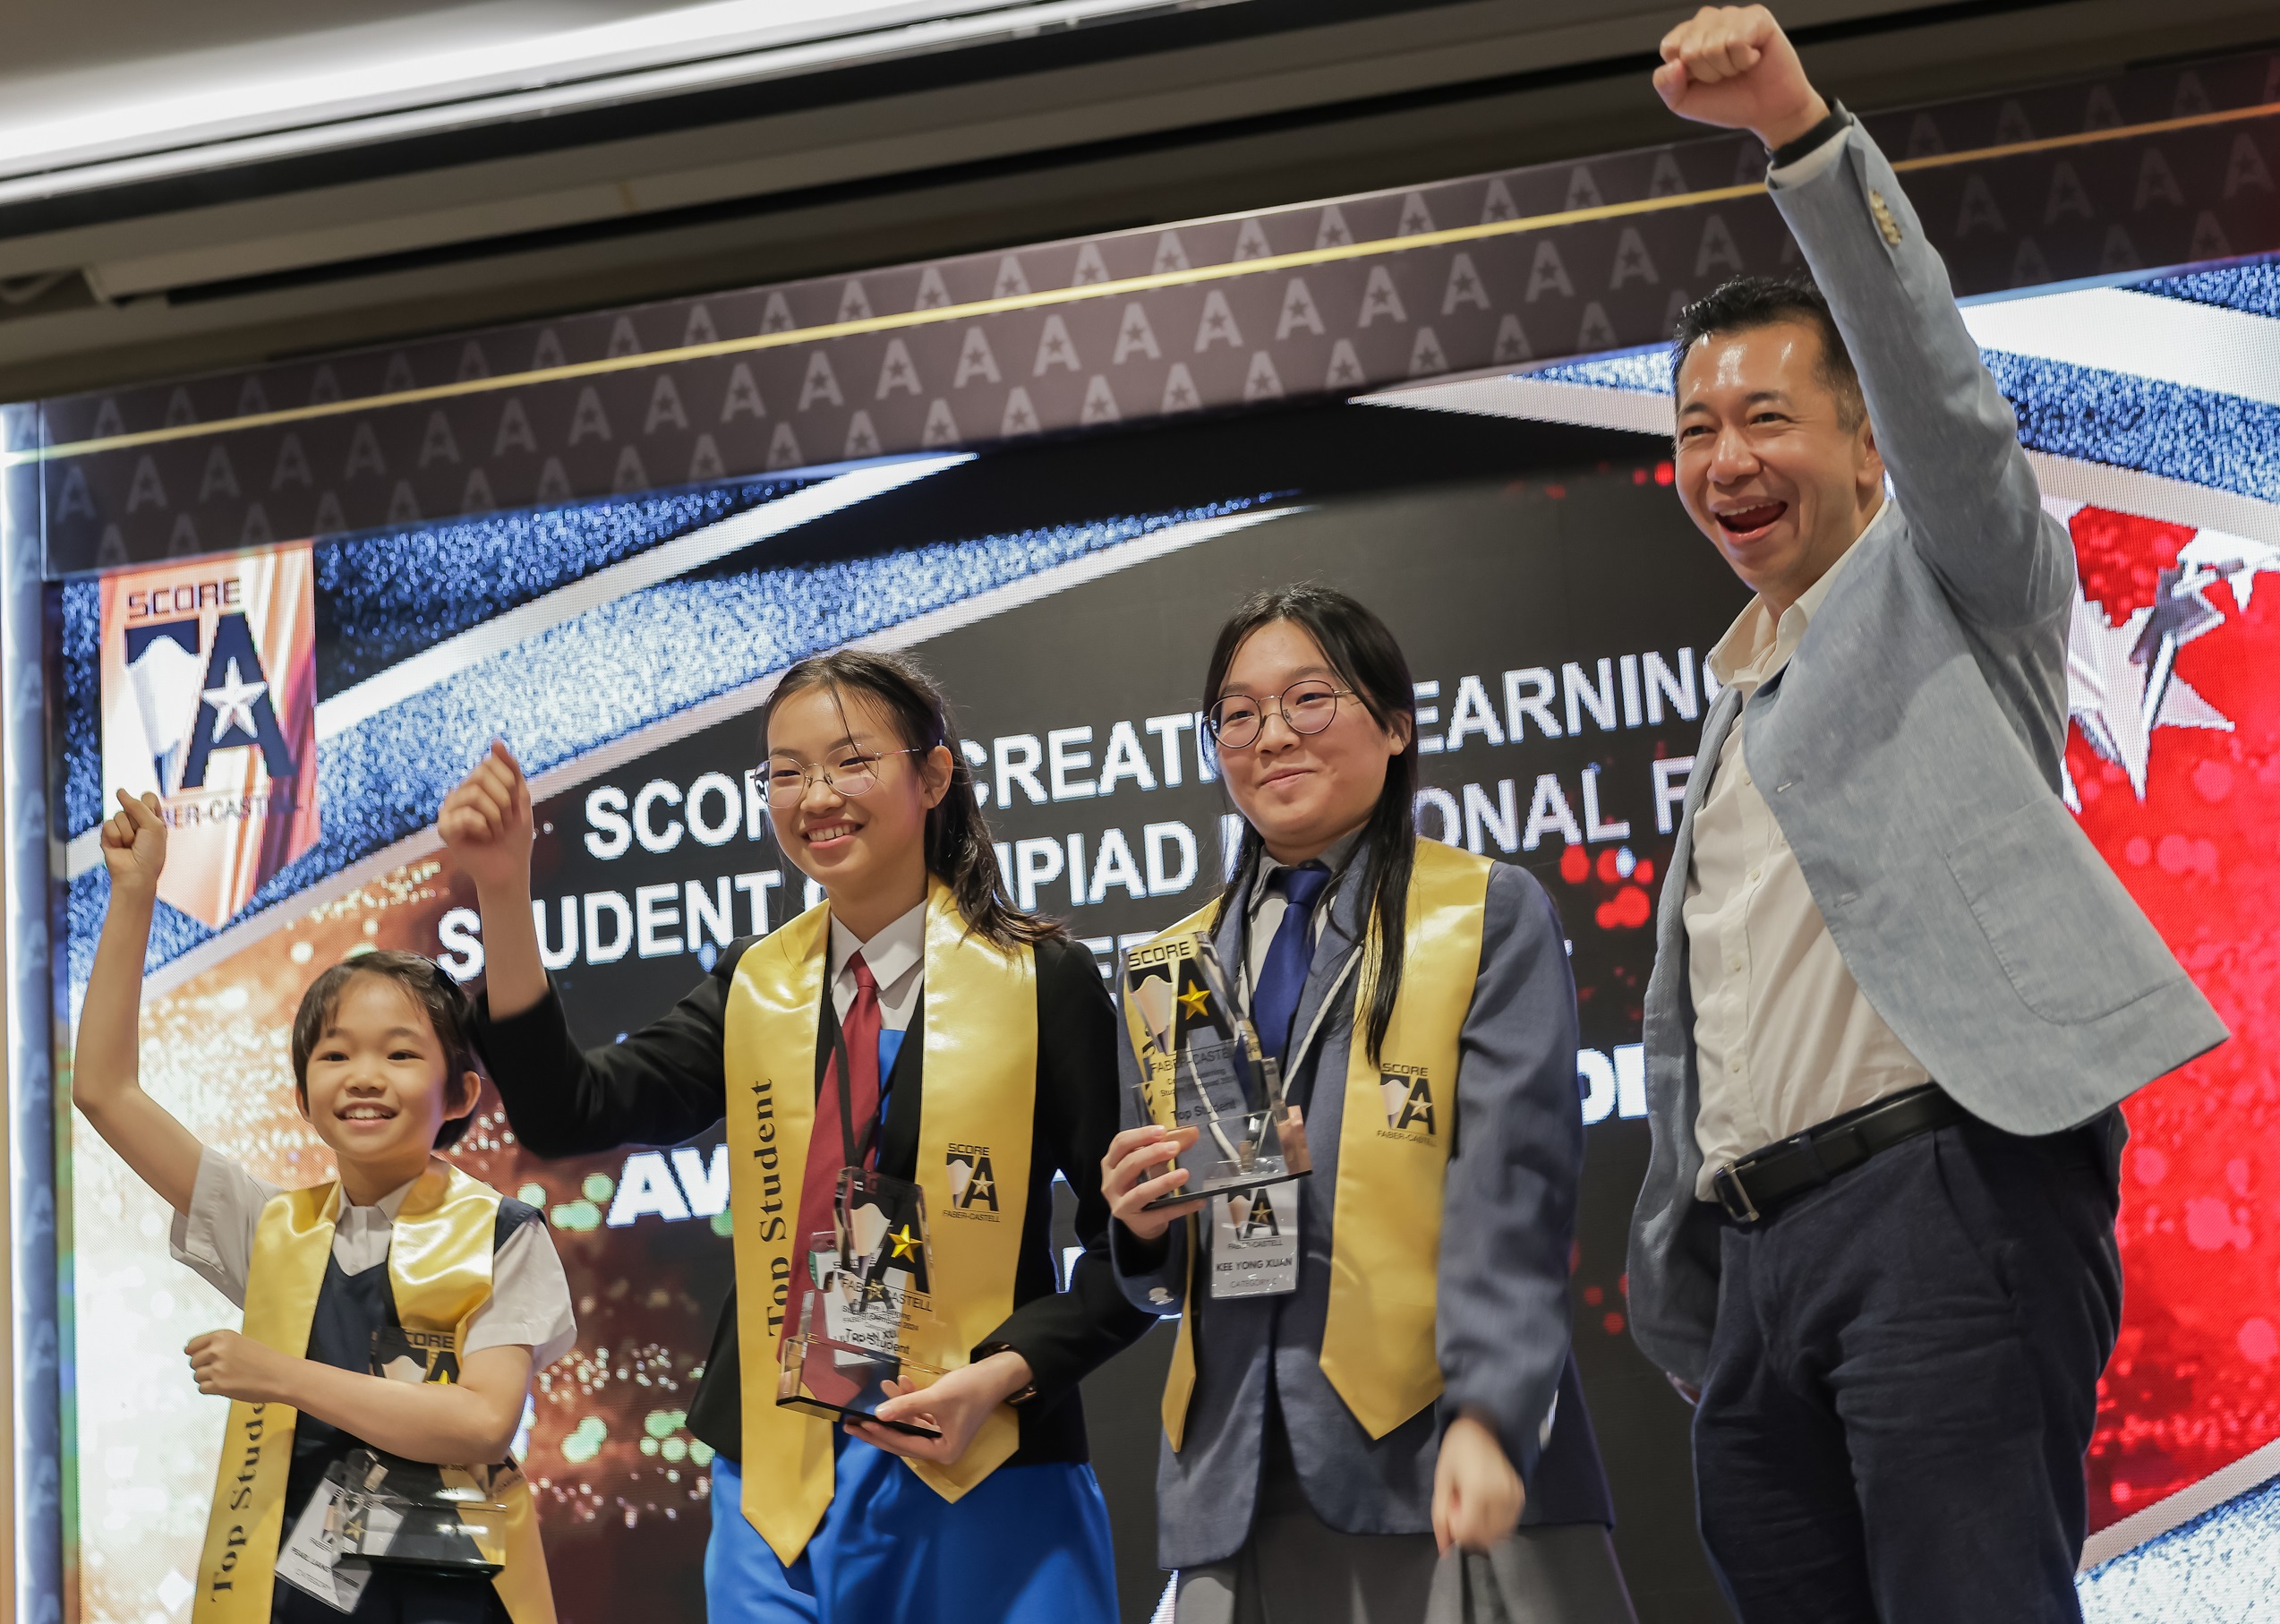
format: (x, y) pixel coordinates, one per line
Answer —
(1949, 438)
(661, 1085)
(107, 1083)
(485, 824)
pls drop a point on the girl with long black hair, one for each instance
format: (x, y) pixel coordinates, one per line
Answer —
(956, 1042)
(1407, 1387)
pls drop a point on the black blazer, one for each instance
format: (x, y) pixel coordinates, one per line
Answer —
(666, 1083)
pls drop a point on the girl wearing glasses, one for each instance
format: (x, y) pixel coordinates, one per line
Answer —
(1409, 1388)
(956, 1043)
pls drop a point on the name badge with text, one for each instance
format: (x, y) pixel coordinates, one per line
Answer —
(1254, 1242)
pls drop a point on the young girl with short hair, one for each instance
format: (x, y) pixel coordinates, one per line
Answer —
(401, 1264)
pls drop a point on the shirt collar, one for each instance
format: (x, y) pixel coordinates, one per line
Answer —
(897, 950)
(1756, 647)
(1333, 857)
(389, 1205)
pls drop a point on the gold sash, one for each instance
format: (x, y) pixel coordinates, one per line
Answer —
(439, 1270)
(1378, 1350)
(979, 1095)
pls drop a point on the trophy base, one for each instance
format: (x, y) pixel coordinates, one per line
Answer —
(438, 1565)
(833, 1412)
(1214, 1186)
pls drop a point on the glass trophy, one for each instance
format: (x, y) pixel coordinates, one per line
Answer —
(1202, 1068)
(387, 1512)
(861, 1312)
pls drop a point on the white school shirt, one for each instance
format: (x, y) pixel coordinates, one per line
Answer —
(897, 956)
(1268, 906)
(1784, 1038)
(529, 1305)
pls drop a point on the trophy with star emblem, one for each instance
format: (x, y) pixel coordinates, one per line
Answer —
(861, 1311)
(1202, 1068)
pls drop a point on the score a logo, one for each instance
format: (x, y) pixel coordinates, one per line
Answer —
(1408, 1095)
(400, 1354)
(209, 701)
(234, 708)
(973, 1184)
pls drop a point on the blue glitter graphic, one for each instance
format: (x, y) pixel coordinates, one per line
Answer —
(380, 600)
(1647, 373)
(2221, 441)
(2254, 288)
(80, 702)
(2216, 1569)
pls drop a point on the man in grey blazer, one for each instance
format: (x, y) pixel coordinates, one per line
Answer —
(1897, 993)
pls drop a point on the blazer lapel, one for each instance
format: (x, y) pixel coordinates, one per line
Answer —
(1724, 716)
(1341, 936)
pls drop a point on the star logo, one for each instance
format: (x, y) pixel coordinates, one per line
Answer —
(2121, 679)
(972, 1182)
(1195, 1001)
(2235, 558)
(1409, 1101)
(233, 703)
(906, 1245)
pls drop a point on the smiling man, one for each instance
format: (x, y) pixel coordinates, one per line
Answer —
(1897, 997)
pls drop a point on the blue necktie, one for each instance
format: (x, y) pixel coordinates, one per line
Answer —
(1274, 1001)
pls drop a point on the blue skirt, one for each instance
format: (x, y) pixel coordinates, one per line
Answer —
(1026, 1545)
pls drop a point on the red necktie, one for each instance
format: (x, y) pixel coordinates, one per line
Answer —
(826, 1145)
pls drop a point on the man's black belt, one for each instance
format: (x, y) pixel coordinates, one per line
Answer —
(1750, 1188)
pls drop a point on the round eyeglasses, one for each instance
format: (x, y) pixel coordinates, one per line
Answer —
(853, 774)
(1305, 707)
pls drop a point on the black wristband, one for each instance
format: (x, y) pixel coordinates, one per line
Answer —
(1789, 152)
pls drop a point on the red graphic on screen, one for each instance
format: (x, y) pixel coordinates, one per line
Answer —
(2194, 724)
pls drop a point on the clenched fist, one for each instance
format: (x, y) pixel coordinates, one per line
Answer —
(231, 1366)
(1477, 1497)
(134, 845)
(1731, 65)
(486, 823)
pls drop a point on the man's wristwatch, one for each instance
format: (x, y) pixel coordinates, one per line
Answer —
(1789, 152)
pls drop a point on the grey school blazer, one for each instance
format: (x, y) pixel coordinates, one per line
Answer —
(1912, 750)
(1502, 1320)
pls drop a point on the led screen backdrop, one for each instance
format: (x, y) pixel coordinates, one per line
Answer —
(1556, 607)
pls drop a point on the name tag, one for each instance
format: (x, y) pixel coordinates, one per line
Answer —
(868, 1317)
(1254, 1243)
(310, 1559)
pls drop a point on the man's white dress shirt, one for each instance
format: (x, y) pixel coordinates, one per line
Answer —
(1783, 1036)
